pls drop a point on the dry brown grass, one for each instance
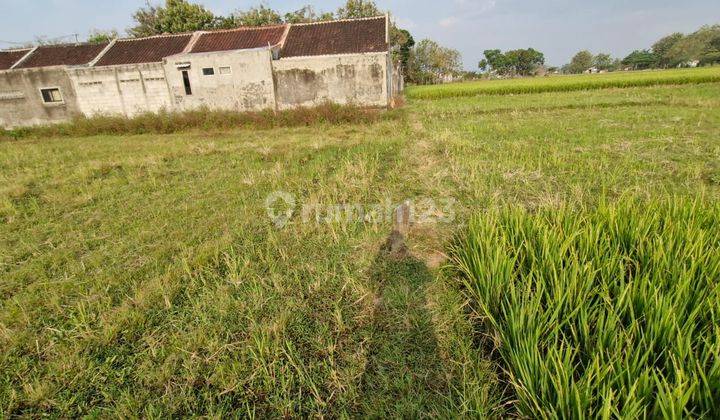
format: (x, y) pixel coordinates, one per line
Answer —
(166, 122)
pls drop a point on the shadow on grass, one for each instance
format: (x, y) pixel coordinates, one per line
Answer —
(404, 376)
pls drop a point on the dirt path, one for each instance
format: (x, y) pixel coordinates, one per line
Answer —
(421, 361)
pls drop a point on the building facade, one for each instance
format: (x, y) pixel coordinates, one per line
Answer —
(245, 69)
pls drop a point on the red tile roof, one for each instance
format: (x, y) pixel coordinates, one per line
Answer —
(350, 36)
(8, 58)
(62, 55)
(144, 50)
(338, 37)
(239, 39)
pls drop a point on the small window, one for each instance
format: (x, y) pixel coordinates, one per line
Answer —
(51, 96)
(186, 82)
(208, 71)
(225, 70)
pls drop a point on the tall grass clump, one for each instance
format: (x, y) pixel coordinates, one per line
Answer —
(611, 313)
(166, 122)
(567, 83)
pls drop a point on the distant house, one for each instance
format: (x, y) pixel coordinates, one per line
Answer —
(244, 69)
(689, 64)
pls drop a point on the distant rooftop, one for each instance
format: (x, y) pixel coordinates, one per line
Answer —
(336, 37)
(9, 58)
(62, 55)
(239, 39)
(144, 50)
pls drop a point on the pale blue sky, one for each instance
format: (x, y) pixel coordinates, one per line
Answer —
(559, 28)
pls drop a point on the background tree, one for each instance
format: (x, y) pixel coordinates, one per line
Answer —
(401, 44)
(640, 60)
(693, 47)
(524, 62)
(430, 62)
(712, 55)
(176, 16)
(307, 14)
(662, 48)
(715, 43)
(260, 15)
(494, 61)
(603, 62)
(581, 62)
(98, 36)
(358, 9)
(483, 65)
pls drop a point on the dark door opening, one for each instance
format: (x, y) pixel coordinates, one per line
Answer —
(186, 82)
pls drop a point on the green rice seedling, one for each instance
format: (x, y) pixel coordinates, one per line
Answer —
(567, 83)
(613, 312)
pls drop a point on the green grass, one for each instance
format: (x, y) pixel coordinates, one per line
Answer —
(140, 275)
(567, 83)
(606, 313)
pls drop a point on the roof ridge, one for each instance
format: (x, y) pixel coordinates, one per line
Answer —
(11, 50)
(325, 22)
(246, 28)
(158, 36)
(102, 53)
(24, 58)
(284, 36)
(72, 44)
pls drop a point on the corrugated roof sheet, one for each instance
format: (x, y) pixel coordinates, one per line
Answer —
(338, 37)
(8, 58)
(62, 55)
(239, 39)
(144, 50)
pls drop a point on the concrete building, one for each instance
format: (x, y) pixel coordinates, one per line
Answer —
(244, 69)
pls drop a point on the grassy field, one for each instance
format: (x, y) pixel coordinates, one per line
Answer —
(141, 274)
(568, 83)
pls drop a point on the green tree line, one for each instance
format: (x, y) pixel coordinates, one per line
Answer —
(700, 48)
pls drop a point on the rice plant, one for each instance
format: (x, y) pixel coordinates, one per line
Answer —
(567, 83)
(611, 313)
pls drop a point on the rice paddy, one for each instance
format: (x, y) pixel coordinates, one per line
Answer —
(609, 312)
(140, 274)
(568, 83)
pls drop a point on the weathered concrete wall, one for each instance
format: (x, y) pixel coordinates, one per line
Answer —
(21, 103)
(247, 87)
(360, 79)
(243, 80)
(128, 90)
(397, 81)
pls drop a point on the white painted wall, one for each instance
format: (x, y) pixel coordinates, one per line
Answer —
(248, 87)
(128, 90)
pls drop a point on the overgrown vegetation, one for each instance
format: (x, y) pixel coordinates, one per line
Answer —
(566, 83)
(606, 313)
(142, 277)
(203, 119)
